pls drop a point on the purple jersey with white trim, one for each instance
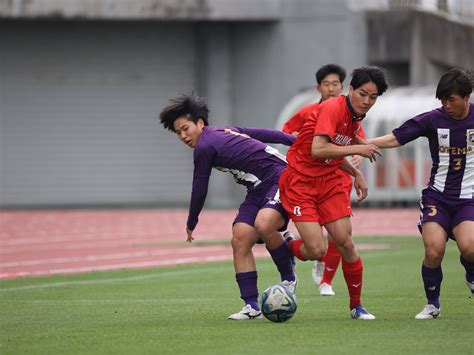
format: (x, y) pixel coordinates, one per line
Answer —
(451, 144)
(240, 151)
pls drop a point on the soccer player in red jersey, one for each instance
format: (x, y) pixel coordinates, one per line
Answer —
(311, 189)
(329, 80)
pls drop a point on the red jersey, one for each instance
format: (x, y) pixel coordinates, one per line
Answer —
(331, 118)
(296, 122)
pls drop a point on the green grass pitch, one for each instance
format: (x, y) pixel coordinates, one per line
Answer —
(183, 310)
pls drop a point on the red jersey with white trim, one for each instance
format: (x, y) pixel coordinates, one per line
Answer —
(331, 118)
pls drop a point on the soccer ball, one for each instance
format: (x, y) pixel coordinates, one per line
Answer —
(278, 303)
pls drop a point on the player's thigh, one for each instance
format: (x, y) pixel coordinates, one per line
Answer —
(434, 240)
(464, 234)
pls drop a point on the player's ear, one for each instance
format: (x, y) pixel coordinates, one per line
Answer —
(200, 123)
(318, 88)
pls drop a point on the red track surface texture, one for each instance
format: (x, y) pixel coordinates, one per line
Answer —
(36, 243)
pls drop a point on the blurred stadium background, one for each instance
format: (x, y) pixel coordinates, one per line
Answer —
(82, 83)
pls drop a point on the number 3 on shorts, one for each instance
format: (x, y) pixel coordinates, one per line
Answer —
(433, 210)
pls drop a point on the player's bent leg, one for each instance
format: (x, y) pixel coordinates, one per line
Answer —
(341, 232)
(267, 223)
(244, 237)
(311, 246)
(352, 267)
(434, 240)
(464, 234)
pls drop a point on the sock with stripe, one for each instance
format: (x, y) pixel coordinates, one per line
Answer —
(353, 276)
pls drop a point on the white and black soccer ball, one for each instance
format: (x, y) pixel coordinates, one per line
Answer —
(278, 303)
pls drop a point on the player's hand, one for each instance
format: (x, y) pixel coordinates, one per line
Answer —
(369, 151)
(295, 133)
(360, 186)
(356, 160)
(190, 238)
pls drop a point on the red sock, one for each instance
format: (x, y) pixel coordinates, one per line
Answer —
(353, 276)
(295, 248)
(331, 260)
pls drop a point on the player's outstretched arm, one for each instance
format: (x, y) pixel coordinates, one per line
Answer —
(266, 135)
(322, 148)
(387, 141)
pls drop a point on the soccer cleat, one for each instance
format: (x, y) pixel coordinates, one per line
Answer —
(429, 312)
(290, 284)
(247, 313)
(289, 237)
(318, 271)
(326, 290)
(359, 312)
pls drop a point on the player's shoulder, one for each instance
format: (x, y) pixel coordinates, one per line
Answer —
(335, 103)
(308, 109)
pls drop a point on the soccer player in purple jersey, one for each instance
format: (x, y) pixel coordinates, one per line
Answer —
(253, 164)
(447, 203)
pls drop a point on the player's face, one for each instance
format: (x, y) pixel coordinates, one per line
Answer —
(330, 86)
(188, 132)
(363, 98)
(456, 106)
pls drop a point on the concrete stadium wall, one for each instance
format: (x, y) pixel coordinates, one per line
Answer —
(80, 98)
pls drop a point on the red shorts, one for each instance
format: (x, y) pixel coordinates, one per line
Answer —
(346, 182)
(321, 199)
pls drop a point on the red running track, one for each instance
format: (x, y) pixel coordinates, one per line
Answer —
(37, 243)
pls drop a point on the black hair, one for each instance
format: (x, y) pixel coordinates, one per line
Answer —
(454, 81)
(191, 106)
(327, 69)
(363, 75)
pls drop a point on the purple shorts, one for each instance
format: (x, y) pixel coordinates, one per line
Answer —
(448, 212)
(264, 197)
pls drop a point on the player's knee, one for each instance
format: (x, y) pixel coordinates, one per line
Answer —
(468, 253)
(239, 243)
(315, 252)
(265, 226)
(346, 246)
(434, 255)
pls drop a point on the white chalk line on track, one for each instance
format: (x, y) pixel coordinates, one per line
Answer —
(113, 256)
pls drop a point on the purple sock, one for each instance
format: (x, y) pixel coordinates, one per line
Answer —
(282, 258)
(432, 282)
(469, 267)
(247, 282)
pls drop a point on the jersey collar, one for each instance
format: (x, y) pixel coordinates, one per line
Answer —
(355, 118)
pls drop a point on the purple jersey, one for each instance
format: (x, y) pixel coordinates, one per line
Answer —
(452, 149)
(240, 151)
